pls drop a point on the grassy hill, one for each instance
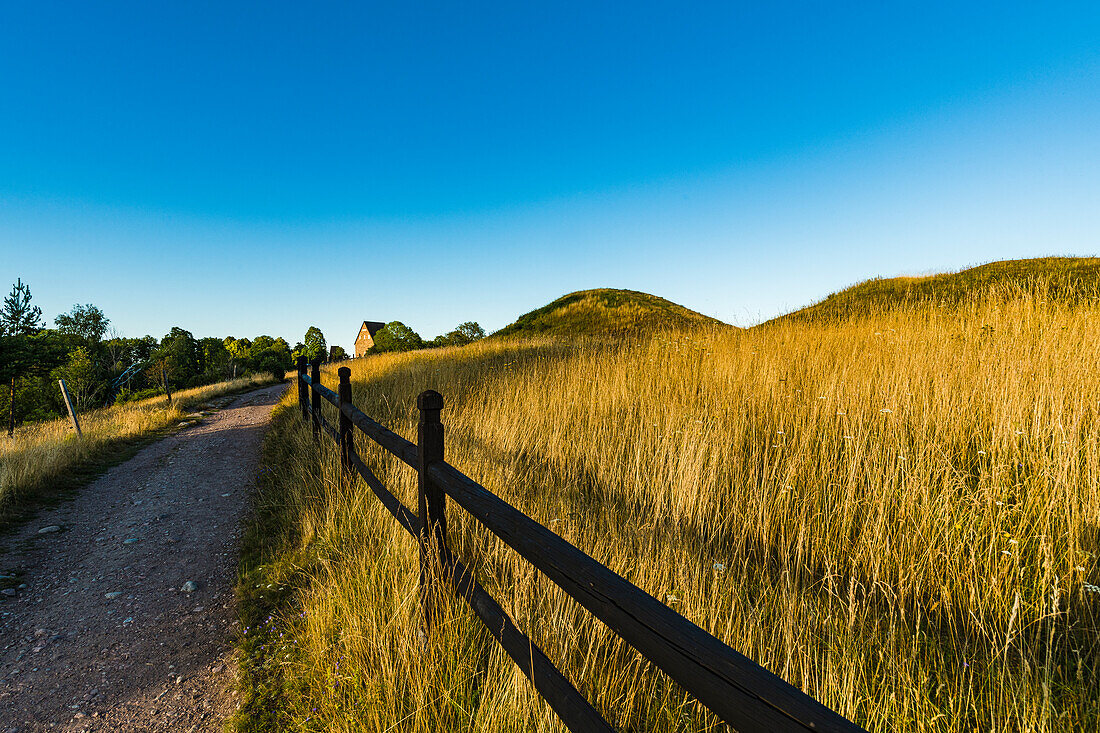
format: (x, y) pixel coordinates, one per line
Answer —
(1074, 279)
(605, 311)
(898, 515)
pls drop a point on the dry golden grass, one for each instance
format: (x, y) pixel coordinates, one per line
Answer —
(43, 457)
(899, 514)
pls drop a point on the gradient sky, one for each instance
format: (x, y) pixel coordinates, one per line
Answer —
(265, 167)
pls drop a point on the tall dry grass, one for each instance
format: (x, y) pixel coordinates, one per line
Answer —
(899, 514)
(42, 457)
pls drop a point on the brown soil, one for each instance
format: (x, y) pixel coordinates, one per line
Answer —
(154, 657)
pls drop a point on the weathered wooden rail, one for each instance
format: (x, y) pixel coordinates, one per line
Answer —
(736, 689)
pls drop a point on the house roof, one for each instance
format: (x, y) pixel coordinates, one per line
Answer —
(372, 327)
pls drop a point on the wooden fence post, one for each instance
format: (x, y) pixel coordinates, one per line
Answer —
(11, 408)
(303, 394)
(431, 505)
(347, 440)
(164, 380)
(69, 406)
(315, 379)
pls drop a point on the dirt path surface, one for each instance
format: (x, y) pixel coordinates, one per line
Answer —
(101, 635)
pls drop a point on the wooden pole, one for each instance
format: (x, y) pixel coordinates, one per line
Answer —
(347, 441)
(431, 504)
(303, 391)
(164, 380)
(69, 406)
(11, 409)
(315, 378)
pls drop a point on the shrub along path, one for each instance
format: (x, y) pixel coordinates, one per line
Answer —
(100, 628)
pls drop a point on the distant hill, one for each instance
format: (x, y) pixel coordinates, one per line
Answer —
(1070, 279)
(605, 311)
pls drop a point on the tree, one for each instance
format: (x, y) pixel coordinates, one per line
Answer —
(142, 349)
(123, 353)
(157, 374)
(261, 343)
(19, 317)
(396, 336)
(271, 355)
(315, 346)
(238, 353)
(81, 377)
(85, 321)
(215, 357)
(180, 354)
(116, 347)
(466, 333)
(25, 363)
(471, 331)
(338, 354)
(18, 320)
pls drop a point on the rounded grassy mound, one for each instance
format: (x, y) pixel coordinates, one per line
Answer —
(606, 311)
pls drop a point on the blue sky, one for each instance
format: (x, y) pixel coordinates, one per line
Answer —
(259, 168)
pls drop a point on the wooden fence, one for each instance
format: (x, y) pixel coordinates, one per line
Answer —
(740, 692)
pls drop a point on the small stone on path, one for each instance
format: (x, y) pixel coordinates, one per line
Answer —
(8, 592)
(112, 595)
(190, 587)
(49, 530)
(130, 541)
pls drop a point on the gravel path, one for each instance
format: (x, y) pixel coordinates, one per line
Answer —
(100, 635)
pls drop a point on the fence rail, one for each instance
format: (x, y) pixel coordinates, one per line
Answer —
(732, 686)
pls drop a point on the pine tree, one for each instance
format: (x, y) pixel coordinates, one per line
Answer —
(19, 317)
(18, 320)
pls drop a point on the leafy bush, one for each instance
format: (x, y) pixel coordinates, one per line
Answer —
(127, 395)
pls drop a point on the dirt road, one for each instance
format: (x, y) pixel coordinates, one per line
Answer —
(104, 632)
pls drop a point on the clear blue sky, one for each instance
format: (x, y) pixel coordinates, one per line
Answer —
(177, 163)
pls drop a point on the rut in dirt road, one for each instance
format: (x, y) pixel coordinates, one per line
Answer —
(102, 637)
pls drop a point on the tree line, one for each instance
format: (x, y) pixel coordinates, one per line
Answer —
(101, 367)
(396, 336)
